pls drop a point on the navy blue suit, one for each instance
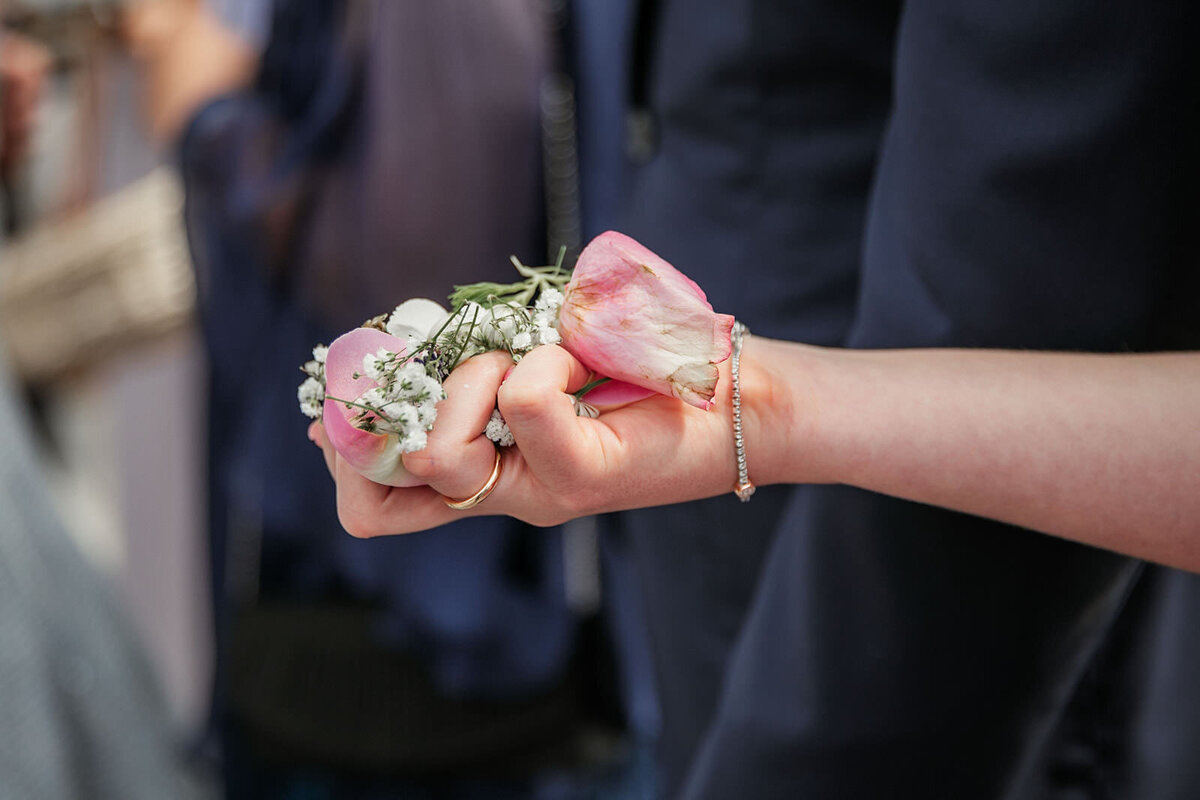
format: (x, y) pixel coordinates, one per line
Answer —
(880, 175)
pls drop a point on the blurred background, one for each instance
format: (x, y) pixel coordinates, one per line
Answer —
(195, 192)
(97, 302)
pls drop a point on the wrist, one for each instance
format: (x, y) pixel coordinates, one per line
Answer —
(781, 413)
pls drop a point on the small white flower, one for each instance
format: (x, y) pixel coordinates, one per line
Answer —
(416, 320)
(413, 439)
(471, 315)
(522, 341)
(373, 397)
(371, 366)
(414, 385)
(402, 402)
(408, 427)
(426, 414)
(548, 302)
(509, 320)
(547, 334)
(497, 430)
(493, 326)
(434, 391)
(311, 395)
(405, 416)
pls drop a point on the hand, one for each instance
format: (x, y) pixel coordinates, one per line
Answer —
(563, 466)
(187, 56)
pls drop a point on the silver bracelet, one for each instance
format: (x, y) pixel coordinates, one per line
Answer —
(744, 489)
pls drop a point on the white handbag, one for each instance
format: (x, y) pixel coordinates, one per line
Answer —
(117, 274)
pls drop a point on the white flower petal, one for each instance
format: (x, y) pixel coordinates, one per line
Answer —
(416, 319)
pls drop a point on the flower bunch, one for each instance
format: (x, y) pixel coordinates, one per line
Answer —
(639, 324)
(377, 387)
(312, 392)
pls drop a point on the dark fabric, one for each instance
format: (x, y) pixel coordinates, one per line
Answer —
(598, 38)
(1133, 723)
(312, 686)
(910, 654)
(942, 174)
(713, 551)
(768, 121)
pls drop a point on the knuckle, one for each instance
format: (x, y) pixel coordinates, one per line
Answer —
(545, 517)
(569, 505)
(580, 503)
(544, 520)
(439, 459)
(423, 464)
(357, 524)
(520, 401)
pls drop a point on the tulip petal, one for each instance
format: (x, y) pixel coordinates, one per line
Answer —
(615, 394)
(630, 315)
(375, 456)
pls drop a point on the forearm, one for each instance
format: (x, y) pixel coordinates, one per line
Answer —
(1100, 449)
(187, 56)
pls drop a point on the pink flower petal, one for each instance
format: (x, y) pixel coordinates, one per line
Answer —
(630, 315)
(615, 394)
(373, 455)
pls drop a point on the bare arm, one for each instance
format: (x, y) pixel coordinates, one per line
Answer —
(188, 57)
(1104, 450)
(1100, 449)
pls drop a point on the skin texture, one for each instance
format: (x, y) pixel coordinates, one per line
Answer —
(1104, 450)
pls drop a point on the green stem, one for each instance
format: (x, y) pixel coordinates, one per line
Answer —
(599, 381)
(353, 404)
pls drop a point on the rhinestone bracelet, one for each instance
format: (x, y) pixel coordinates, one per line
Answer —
(744, 488)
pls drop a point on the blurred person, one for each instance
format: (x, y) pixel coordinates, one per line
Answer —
(171, 39)
(914, 175)
(379, 151)
(81, 714)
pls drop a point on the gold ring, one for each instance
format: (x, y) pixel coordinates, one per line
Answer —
(482, 494)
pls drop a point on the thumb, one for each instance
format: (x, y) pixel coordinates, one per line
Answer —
(535, 400)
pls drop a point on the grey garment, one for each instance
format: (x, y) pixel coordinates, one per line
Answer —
(80, 712)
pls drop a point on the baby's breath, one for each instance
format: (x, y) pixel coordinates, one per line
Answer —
(497, 430)
(312, 397)
(404, 390)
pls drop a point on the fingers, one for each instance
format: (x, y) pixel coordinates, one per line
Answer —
(316, 434)
(457, 459)
(616, 394)
(367, 509)
(536, 404)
